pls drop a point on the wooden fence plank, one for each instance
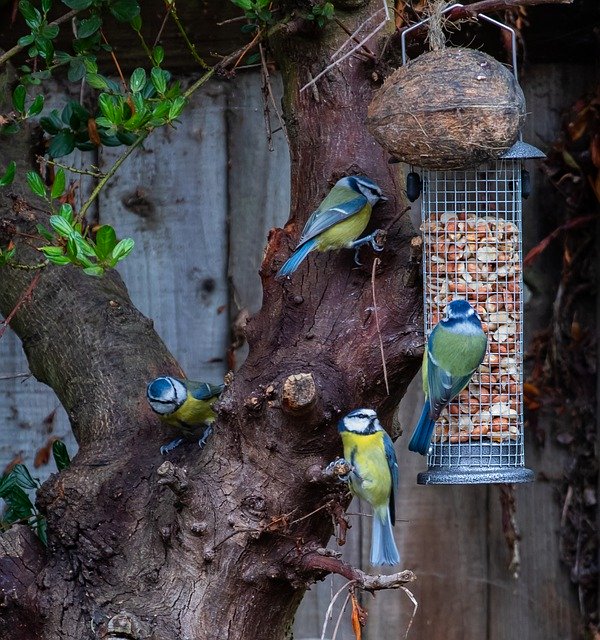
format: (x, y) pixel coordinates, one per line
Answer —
(171, 196)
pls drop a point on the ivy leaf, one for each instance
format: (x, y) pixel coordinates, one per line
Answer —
(18, 98)
(88, 26)
(62, 144)
(122, 250)
(36, 106)
(7, 482)
(9, 175)
(42, 530)
(23, 477)
(36, 184)
(20, 506)
(61, 455)
(58, 186)
(106, 240)
(125, 10)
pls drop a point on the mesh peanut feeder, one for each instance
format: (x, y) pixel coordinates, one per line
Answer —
(471, 224)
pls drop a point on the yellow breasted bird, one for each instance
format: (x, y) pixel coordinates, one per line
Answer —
(374, 477)
(184, 404)
(340, 219)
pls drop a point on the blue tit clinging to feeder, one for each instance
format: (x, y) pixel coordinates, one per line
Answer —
(374, 477)
(184, 404)
(339, 220)
(455, 348)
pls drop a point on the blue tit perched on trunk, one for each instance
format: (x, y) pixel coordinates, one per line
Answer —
(455, 348)
(374, 477)
(184, 404)
(340, 219)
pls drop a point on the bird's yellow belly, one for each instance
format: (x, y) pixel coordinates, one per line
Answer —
(373, 480)
(343, 233)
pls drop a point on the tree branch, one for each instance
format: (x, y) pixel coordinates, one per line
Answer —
(322, 560)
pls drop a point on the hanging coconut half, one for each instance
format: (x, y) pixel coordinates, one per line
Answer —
(448, 109)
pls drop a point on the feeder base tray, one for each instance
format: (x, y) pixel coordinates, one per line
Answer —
(475, 475)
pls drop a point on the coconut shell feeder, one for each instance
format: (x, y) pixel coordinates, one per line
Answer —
(456, 114)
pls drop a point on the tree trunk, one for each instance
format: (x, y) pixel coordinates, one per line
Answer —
(213, 544)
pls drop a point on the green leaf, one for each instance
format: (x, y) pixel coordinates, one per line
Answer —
(77, 4)
(76, 70)
(158, 55)
(46, 5)
(84, 246)
(136, 23)
(125, 10)
(41, 229)
(159, 80)
(66, 212)
(176, 108)
(32, 16)
(7, 482)
(243, 4)
(61, 455)
(106, 240)
(88, 26)
(23, 477)
(60, 260)
(62, 144)
(122, 250)
(94, 271)
(20, 506)
(25, 41)
(97, 81)
(58, 186)
(61, 226)
(9, 175)
(52, 251)
(52, 123)
(50, 31)
(18, 98)
(101, 121)
(36, 184)
(36, 106)
(137, 80)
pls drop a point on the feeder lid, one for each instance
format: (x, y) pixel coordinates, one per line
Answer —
(522, 150)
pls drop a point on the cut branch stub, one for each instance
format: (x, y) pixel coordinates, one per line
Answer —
(299, 394)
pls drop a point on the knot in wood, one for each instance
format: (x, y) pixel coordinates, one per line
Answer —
(299, 393)
(124, 625)
(173, 477)
(254, 506)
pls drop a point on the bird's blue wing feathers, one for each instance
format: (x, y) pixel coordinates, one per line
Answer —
(390, 454)
(323, 219)
(441, 386)
(205, 391)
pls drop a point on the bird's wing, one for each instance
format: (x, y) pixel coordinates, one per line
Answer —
(203, 390)
(324, 218)
(390, 454)
(442, 386)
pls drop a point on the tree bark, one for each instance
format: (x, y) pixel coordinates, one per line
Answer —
(217, 544)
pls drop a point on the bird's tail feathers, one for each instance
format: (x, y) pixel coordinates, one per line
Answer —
(383, 545)
(421, 436)
(292, 263)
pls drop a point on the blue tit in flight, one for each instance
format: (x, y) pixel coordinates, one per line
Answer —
(184, 404)
(340, 219)
(455, 348)
(374, 477)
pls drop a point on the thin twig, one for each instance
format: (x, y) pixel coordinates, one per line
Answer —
(376, 262)
(117, 65)
(330, 607)
(17, 48)
(338, 61)
(339, 620)
(366, 49)
(11, 376)
(271, 96)
(171, 7)
(83, 172)
(412, 598)
(6, 322)
(161, 28)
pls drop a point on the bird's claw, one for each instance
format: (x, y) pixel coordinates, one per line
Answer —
(340, 468)
(375, 239)
(205, 436)
(166, 448)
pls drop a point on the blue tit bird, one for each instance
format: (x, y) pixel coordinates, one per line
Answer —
(184, 404)
(340, 219)
(374, 477)
(455, 348)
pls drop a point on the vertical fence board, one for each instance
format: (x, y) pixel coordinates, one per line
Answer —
(171, 196)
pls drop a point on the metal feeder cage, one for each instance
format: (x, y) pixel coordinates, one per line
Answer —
(472, 250)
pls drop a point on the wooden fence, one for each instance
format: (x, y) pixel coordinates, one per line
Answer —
(199, 202)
